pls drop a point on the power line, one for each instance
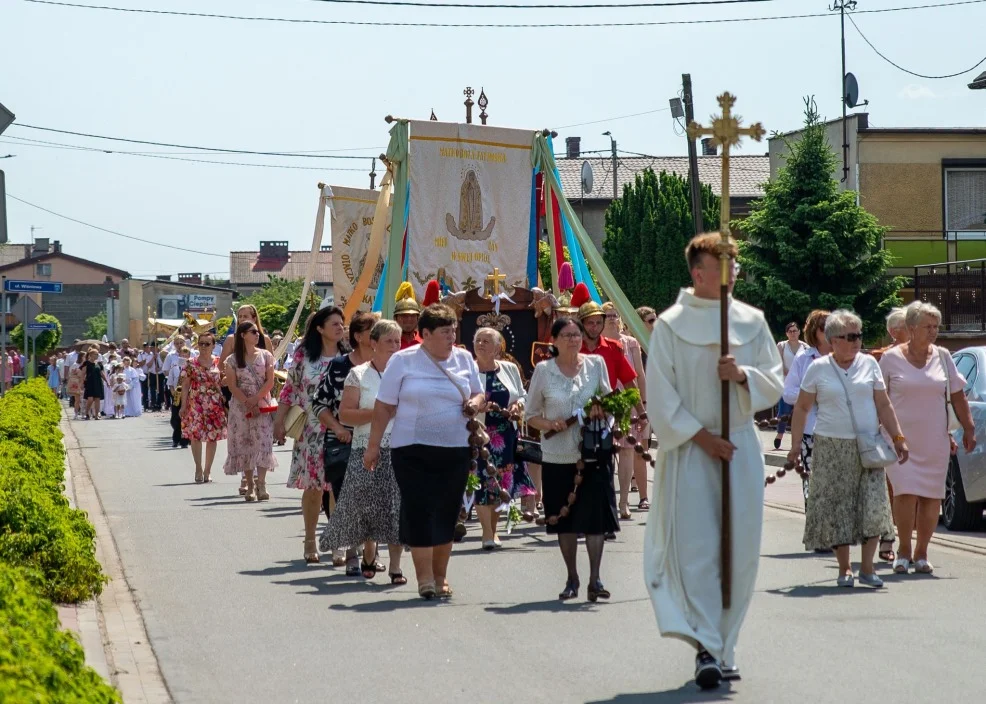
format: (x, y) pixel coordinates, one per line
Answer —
(77, 148)
(299, 155)
(913, 73)
(556, 25)
(114, 232)
(612, 119)
(573, 6)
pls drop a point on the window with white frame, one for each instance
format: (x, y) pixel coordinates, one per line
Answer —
(42, 269)
(965, 199)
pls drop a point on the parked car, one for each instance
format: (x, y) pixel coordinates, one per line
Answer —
(965, 483)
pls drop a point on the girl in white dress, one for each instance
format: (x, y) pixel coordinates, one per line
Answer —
(134, 405)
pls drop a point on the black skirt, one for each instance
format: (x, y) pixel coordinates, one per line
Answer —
(432, 481)
(594, 511)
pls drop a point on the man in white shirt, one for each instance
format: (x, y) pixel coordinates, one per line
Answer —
(171, 360)
(683, 538)
(144, 362)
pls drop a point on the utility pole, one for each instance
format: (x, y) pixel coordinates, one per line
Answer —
(696, 188)
(842, 6)
(612, 146)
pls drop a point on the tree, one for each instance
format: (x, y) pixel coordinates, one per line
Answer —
(96, 326)
(46, 340)
(282, 296)
(646, 233)
(810, 245)
(275, 317)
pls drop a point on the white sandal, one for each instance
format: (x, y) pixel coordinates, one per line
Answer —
(923, 567)
(901, 565)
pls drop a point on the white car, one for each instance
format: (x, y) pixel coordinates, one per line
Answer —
(965, 484)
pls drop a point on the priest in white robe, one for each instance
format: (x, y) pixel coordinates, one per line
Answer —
(682, 542)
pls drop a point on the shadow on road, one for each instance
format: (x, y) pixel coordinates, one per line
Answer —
(547, 606)
(685, 694)
(287, 567)
(796, 555)
(391, 605)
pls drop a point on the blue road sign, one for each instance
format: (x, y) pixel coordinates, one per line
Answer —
(40, 326)
(17, 286)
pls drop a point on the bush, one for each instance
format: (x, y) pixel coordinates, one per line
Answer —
(54, 543)
(38, 661)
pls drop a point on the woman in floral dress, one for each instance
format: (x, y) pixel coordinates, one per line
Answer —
(504, 387)
(203, 415)
(250, 377)
(323, 341)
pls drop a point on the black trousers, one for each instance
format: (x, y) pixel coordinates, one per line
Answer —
(144, 386)
(156, 391)
(176, 438)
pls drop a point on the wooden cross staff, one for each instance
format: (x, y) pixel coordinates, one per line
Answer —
(494, 280)
(726, 132)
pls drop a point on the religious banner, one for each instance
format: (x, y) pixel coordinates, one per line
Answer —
(469, 204)
(352, 219)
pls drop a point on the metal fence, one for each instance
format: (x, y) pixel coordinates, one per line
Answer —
(958, 289)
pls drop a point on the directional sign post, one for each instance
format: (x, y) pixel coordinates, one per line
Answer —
(19, 286)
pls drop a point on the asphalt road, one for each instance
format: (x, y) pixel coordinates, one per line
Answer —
(234, 615)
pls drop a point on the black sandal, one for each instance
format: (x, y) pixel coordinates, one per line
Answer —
(368, 569)
(596, 590)
(571, 590)
(397, 578)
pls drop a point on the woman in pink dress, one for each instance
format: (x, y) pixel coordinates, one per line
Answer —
(249, 374)
(203, 415)
(917, 374)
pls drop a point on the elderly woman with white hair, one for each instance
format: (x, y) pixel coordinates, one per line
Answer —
(922, 380)
(501, 474)
(849, 502)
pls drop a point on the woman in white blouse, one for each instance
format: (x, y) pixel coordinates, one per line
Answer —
(849, 503)
(500, 471)
(368, 508)
(559, 389)
(426, 390)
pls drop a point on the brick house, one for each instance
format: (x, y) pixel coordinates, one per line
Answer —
(249, 271)
(85, 284)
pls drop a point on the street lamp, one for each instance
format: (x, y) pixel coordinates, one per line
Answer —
(979, 82)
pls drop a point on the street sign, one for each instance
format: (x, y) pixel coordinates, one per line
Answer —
(40, 327)
(17, 286)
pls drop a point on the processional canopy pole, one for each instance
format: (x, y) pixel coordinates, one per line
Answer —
(726, 132)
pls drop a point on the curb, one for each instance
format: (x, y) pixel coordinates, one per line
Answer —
(131, 664)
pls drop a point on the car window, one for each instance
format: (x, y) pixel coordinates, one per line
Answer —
(966, 364)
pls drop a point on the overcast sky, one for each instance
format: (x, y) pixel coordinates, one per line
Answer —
(267, 86)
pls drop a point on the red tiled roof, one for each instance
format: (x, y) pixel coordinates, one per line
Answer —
(247, 268)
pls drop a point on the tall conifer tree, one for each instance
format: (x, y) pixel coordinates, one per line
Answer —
(809, 245)
(646, 233)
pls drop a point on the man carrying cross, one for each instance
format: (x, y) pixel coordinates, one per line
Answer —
(700, 552)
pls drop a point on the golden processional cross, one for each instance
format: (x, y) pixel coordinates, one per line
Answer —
(493, 281)
(726, 132)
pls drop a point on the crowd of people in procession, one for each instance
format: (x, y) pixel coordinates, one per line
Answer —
(400, 434)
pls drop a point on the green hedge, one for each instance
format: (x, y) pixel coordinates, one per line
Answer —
(38, 529)
(39, 662)
(47, 552)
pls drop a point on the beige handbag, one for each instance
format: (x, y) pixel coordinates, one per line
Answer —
(294, 422)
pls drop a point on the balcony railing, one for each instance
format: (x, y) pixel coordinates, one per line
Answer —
(958, 290)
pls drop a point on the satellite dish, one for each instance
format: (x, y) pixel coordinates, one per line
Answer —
(586, 177)
(851, 91)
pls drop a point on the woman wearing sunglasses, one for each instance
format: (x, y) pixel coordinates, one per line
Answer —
(203, 416)
(249, 375)
(849, 503)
